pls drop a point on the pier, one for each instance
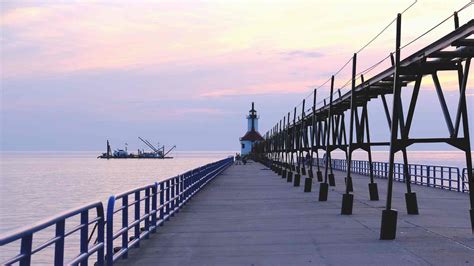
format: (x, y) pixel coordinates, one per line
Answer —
(251, 216)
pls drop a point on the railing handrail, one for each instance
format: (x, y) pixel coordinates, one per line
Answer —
(131, 191)
(16, 234)
(59, 220)
(428, 165)
(176, 196)
(179, 189)
(421, 174)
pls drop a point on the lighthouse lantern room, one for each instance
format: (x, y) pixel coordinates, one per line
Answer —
(252, 136)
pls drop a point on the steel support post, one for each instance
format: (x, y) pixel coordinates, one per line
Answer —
(347, 197)
(308, 185)
(467, 142)
(324, 187)
(389, 216)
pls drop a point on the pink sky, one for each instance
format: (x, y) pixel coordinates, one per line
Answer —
(186, 60)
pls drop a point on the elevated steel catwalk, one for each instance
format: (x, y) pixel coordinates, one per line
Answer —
(323, 128)
(430, 59)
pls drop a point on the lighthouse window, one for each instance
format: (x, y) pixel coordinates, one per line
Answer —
(243, 146)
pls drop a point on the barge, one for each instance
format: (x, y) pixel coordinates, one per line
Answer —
(156, 153)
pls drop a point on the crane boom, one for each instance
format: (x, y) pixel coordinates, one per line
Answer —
(148, 144)
(154, 148)
(168, 150)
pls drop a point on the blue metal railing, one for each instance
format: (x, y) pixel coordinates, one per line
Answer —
(161, 201)
(444, 177)
(25, 236)
(142, 210)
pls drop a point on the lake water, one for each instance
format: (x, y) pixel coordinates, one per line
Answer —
(35, 185)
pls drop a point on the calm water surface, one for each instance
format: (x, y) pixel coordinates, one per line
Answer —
(36, 185)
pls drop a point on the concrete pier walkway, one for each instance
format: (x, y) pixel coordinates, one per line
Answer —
(250, 216)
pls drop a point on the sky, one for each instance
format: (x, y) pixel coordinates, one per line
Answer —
(76, 73)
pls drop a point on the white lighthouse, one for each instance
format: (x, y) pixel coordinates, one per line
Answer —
(252, 135)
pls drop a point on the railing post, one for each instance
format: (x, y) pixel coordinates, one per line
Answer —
(183, 189)
(459, 183)
(427, 175)
(185, 186)
(59, 245)
(154, 201)
(137, 217)
(109, 253)
(173, 200)
(147, 211)
(162, 200)
(26, 244)
(100, 235)
(178, 190)
(168, 203)
(125, 225)
(84, 234)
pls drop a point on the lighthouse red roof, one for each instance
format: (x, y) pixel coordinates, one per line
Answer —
(252, 136)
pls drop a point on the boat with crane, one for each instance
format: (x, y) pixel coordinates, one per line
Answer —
(155, 153)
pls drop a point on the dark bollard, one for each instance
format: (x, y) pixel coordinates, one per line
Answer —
(412, 204)
(347, 202)
(303, 171)
(283, 174)
(310, 173)
(471, 212)
(332, 182)
(296, 181)
(289, 177)
(373, 191)
(320, 176)
(389, 225)
(323, 191)
(351, 188)
(308, 183)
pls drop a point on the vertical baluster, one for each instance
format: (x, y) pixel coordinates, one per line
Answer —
(26, 244)
(137, 217)
(427, 175)
(125, 225)
(179, 190)
(110, 230)
(154, 201)
(100, 236)
(59, 245)
(173, 185)
(84, 232)
(460, 180)
(168, 203)
(147, 210)
(185, 188)
(162, 200)
(450, 179)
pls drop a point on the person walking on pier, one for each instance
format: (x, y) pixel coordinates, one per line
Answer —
(237, 159)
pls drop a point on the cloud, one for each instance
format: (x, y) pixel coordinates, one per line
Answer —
(262, 89)
(302, 53)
